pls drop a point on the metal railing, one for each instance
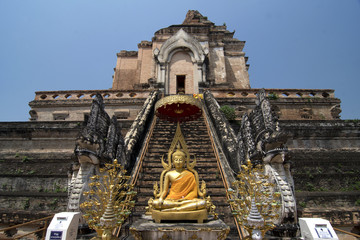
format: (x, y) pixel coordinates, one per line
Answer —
(346, 232)
(43, 229)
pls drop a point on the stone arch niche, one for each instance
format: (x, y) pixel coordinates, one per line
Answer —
(180, 64)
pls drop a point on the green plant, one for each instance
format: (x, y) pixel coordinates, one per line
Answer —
(54, 203)
(17, 155)
(310, 187)
(352, 120)
(322, 189)
(272, 96)
(58, 188)
(309, 174)
(355, 186)
(302, 204)
(19, 171)
(26, 204)
(229, 112)
(31, 172)
(357, 202)
(318, 170)
(25, 159)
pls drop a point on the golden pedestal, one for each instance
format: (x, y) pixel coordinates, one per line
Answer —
(198, 215)
(146, 229)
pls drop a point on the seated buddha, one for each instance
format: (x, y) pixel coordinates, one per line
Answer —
(179, 197)
(183, 194)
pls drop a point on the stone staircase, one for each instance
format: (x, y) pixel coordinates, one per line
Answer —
(198, 143)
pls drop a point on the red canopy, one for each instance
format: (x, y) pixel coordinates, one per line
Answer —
(178, 108)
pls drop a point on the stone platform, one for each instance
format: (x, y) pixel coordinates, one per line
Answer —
(146, 229)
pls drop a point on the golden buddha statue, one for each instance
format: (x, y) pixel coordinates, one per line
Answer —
(183, 194)
(179, 197)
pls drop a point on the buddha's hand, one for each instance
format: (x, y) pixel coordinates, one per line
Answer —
(161, 200)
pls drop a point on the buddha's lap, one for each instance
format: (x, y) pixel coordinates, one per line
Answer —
(170, 203)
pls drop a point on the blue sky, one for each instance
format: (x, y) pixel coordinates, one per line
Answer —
(72, 44)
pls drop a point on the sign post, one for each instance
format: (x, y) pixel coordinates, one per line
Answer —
(316, 229)
(63, 226)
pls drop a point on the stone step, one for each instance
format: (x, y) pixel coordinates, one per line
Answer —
(199, 149)
(206, 156)
(205, 168)
(199, 160)
(203, 176)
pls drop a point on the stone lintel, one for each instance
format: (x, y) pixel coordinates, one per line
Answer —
(216, 44)
(125, 53)
(146, 229)
(145, 44)
(234, 54)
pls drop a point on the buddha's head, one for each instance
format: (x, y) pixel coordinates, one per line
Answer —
(178, 158)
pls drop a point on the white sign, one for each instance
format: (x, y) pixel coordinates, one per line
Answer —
(316, 229)
(63, 226)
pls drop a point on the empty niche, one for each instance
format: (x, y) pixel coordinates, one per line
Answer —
(60, 115)
(33, 115)
(306, 113)
(325, 94)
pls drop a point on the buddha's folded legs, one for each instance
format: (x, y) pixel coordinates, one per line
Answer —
(186, 205)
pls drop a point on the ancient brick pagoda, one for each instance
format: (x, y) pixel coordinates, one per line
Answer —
(188, 58)
(318, 171)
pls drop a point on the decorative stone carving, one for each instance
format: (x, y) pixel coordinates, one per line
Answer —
(132, 140)
(263, 142)
(224, 131)
(99, 142)
(335, 111)
(33, 115)
(260, 140)
(306, 113)
(181, 42)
